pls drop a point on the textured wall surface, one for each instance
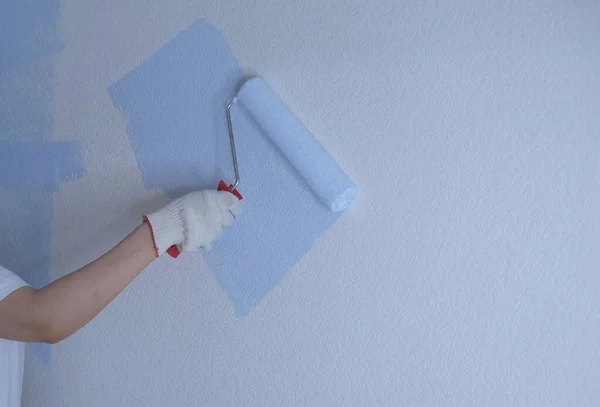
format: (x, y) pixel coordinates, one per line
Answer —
(466, 274)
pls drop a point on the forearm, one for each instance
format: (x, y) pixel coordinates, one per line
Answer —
(63, 307)
(72, 301)
(54, 312)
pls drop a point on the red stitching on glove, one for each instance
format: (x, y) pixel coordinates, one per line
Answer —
(152, 233)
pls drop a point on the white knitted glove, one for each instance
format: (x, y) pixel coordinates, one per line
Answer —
(193, 221)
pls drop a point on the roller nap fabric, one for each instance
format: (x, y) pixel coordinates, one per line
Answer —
(322, 174)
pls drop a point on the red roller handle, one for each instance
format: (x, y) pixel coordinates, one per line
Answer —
(173, 251)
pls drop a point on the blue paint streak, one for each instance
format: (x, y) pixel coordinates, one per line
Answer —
(174, 103)
(43, 165)
(28, 37)
(170, 102)
(25, 235)
(27, 32)
(31, 166)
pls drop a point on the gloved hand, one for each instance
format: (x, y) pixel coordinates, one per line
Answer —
(193, 221)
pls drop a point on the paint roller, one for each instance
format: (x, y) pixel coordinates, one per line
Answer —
(306, 155)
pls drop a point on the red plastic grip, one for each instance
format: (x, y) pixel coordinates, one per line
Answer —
(173, 251)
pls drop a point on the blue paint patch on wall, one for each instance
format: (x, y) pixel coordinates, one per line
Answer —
(27, 32)
(174, 106)
(170, 103)
(44, 165)
(28, 37)
(31, 165)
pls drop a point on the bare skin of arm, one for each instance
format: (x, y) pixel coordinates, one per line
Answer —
(58, 310)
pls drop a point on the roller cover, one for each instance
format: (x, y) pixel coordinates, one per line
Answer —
(294, 141)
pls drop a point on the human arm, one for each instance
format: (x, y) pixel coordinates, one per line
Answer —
(59, 309)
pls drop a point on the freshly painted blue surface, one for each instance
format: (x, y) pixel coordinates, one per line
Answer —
(32, 167)
(43, 165)
(174, 106)
(27, 32)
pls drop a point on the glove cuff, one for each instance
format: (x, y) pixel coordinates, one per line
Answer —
(167, 228)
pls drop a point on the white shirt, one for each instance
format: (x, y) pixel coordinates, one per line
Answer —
(11, 353)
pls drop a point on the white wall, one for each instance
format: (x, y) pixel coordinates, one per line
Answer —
(466, 274)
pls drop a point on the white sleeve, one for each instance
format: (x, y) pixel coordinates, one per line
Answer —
(9, 282)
